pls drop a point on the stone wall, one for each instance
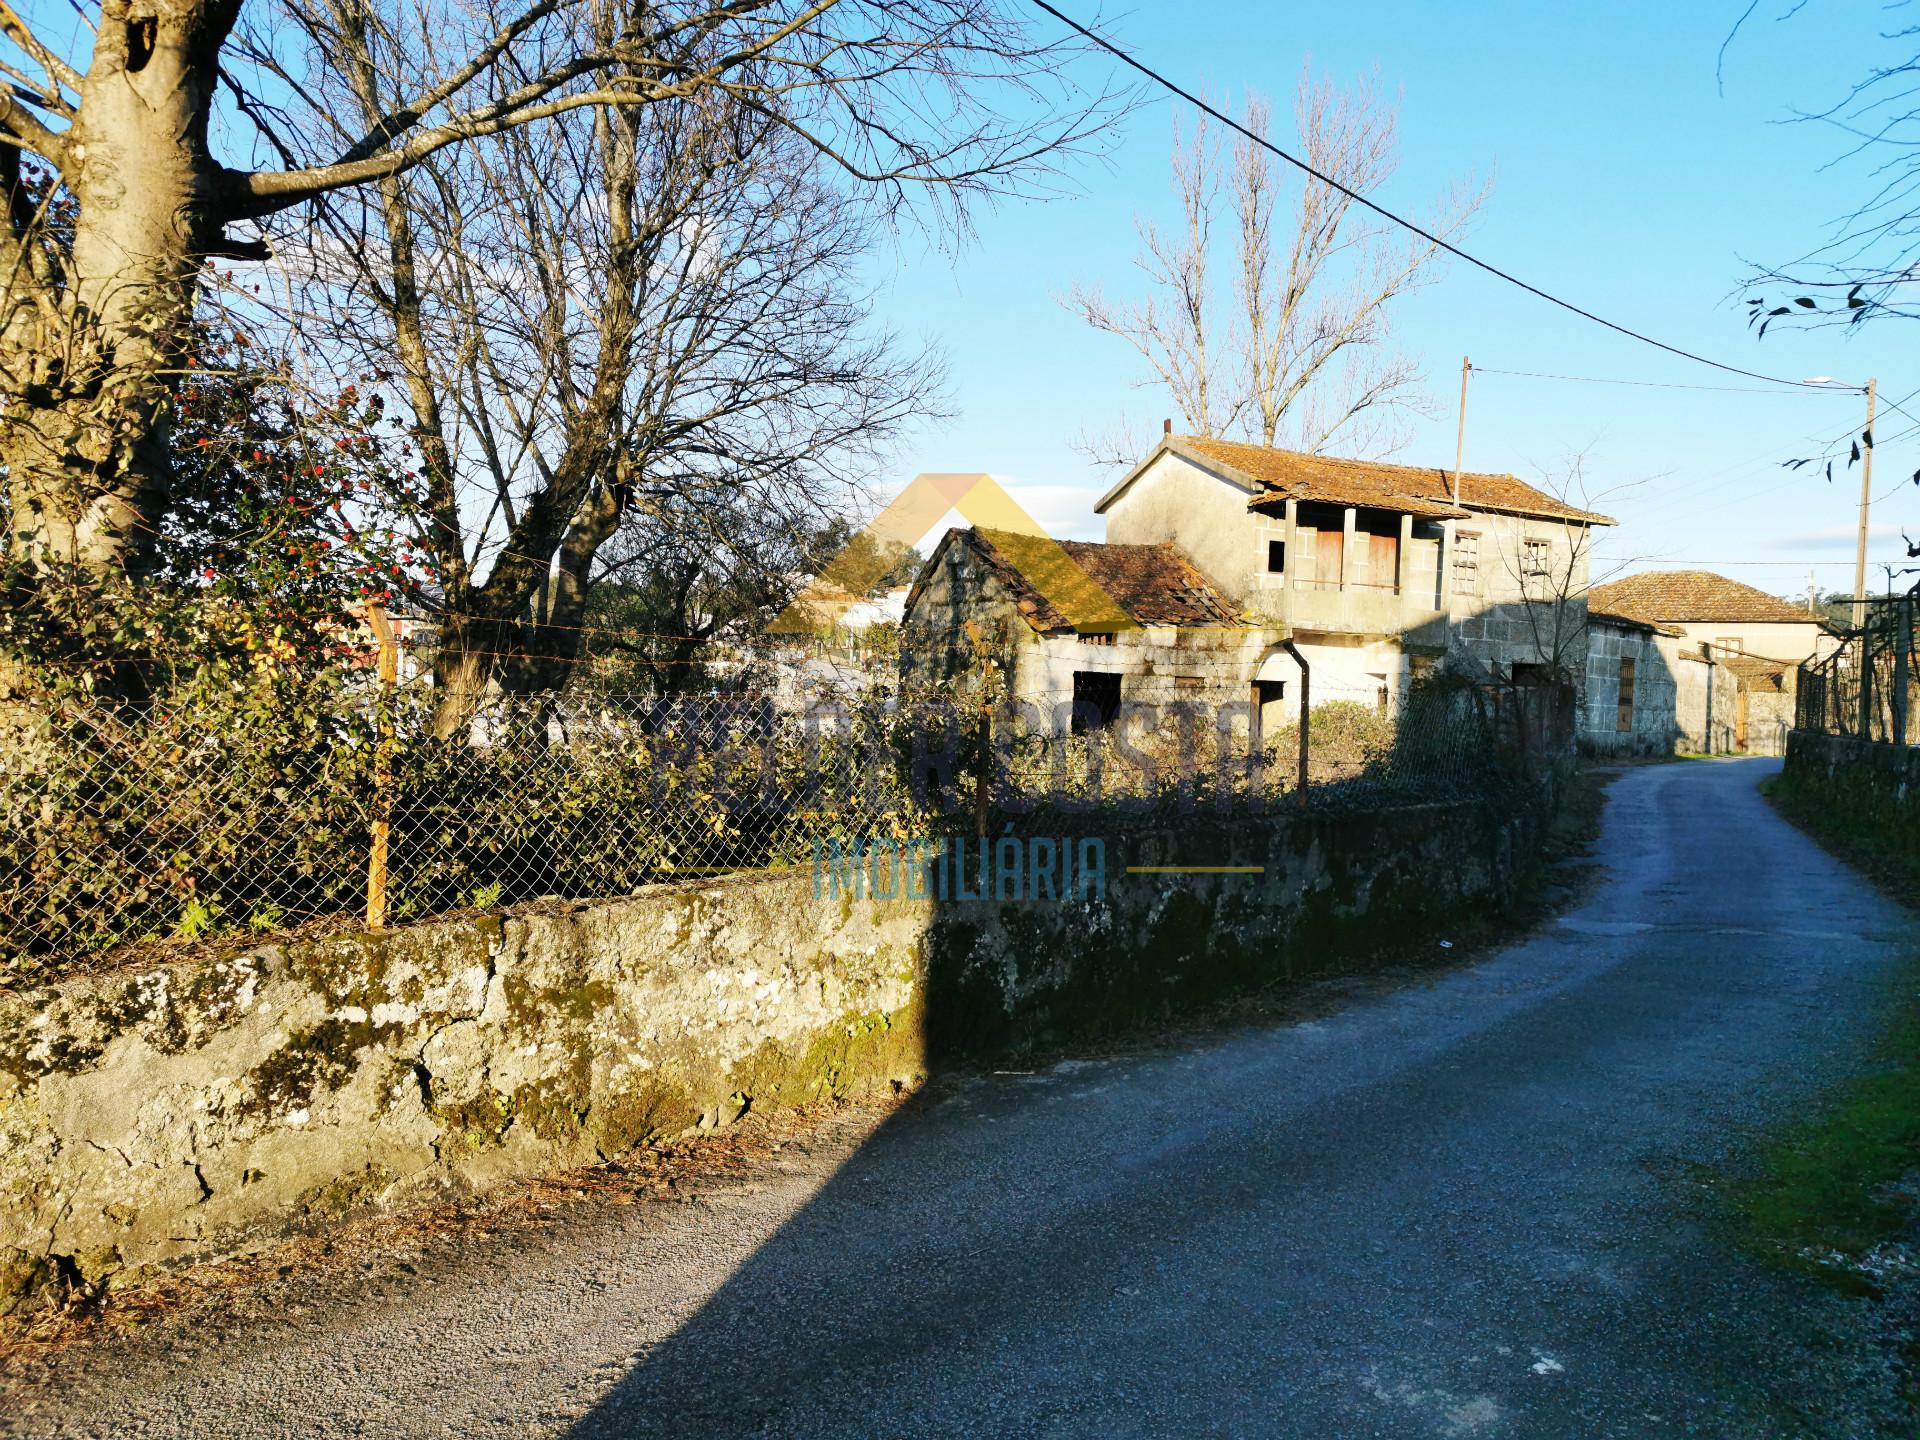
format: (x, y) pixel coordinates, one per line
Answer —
(200, 1108)
(1653, 726)
(1871, 789)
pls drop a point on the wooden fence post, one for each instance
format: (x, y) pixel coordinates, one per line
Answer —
(1256, 746)
(389, 673)
(980, 772)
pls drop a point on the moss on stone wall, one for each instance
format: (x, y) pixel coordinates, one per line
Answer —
(312, 1061)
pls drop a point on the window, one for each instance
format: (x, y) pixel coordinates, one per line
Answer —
(1733, 645)
(1096, 700)
(1625, 720)
(1466, 562)
(1097, 638)
(1536, 568)
(1188, 682)
(1276, 557)
(1531, 672)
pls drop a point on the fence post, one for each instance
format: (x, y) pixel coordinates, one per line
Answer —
(389, 672)
(1866, 681)
(1256, 745)
(1902, 650)
(980, 771)
(1306, 714)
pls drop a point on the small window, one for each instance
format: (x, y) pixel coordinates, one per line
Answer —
(1276, 557)
(1096, 700)
(1625, 720)
(1466, 562)
(1188, 682)
(1536, 568)
(1732, 644)
(1097, 638)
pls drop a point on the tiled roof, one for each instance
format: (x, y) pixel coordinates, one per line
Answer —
(1674, 596)
(1151, 584)
(1413, 489)
(1630, 622)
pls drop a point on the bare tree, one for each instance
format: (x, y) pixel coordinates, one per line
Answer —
(639, 316)
(1299, 353)
(951, 96)
(1552, 573)
(1868, 265)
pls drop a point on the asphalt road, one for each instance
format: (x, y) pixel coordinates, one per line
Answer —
(1460, 1208)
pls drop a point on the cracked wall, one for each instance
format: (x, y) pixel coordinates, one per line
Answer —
(195, 1110)
(205, 1107)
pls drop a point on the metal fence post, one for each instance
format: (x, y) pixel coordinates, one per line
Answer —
(389, 672)
(1306, 716)
(1902, 651)
(1866, 681)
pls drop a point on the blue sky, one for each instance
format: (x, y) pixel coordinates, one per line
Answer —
(1624, 180)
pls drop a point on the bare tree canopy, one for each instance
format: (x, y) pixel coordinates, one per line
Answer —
(180, 132)
(1868, 266)
(1295, 348)
(634, 318)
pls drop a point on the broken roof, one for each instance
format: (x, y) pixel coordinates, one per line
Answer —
(1144, 584)
(1676, 596)
(1425, 491)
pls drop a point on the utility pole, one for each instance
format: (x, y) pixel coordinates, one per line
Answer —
(1460, 434)
(1813, 601)
(1866, 502)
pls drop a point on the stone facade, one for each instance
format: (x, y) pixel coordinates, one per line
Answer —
(1648, 722)
(965, 620)
(1517, 593)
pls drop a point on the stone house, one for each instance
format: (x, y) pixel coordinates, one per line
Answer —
(1220, 555)
(1073, 629)
(1706, 661)
(1375, 571)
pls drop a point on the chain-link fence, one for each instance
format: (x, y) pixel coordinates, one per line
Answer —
(130, 823)
(1869, 687)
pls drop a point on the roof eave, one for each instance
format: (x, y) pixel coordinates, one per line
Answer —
(1175, 445)
(1527, 512)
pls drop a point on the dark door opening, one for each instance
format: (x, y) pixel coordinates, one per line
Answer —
(1096, 700)
(1271, 695)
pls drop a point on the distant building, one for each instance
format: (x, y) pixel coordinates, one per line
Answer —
(1072, 624)
(1219, 554)
(1691, 660)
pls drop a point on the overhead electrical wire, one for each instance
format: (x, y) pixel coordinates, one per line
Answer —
(1797, 388)
(1414, 228)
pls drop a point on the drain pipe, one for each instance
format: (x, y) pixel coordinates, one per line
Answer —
(1306, 696)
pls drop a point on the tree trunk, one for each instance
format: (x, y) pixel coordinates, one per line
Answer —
(91, 377)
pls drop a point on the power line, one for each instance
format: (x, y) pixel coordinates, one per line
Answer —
(1799, 387)
(1194, 100)
(1664, 560)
